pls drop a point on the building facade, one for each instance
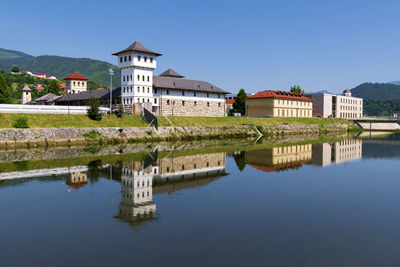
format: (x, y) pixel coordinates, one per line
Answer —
(337, 106)
(75, 83)
(278, 104)
(166, 94)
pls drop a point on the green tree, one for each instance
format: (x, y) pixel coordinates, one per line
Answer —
(240, 102)
(5, 93)
(93, 111)
(15, 69)
(53, 87)
(240, 160)
(296, 89)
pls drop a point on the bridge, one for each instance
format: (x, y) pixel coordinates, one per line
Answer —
(378, 124)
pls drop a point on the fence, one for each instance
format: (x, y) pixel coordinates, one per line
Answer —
(46, 109)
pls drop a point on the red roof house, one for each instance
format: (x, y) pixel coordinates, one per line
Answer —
(76, 76)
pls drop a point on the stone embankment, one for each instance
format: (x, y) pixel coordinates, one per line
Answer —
(51, 137)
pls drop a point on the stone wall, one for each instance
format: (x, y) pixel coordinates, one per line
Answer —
(184, 107)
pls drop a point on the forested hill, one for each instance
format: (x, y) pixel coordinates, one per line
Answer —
(96, 70)
(377, 91)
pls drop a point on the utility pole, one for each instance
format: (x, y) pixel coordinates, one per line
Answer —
(111, 74)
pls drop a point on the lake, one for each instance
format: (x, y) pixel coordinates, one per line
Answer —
(321, 202)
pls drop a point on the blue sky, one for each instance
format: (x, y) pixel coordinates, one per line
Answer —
(256, 45)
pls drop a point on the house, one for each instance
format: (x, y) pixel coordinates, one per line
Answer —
(75, 83)
(40, 75)
(82, 99)
(47, 99)
(278, 104)
(395, 115)
(337, 106)
(168, 93)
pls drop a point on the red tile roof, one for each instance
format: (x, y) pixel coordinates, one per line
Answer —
(39, 88)
(76, 76)
(279, 94)
(230, 101)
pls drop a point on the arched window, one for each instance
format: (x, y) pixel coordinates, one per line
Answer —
(148, 78)
(138, 77)
(167, 102)
(138, 89)
(143, 77)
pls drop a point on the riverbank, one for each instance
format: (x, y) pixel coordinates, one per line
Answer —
(63, 137)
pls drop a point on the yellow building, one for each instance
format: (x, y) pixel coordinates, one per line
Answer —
(278, 104)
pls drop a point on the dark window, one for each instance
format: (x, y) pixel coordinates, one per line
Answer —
(125, 58)
(138, 89)
(155, 90)
(120, 59)
(183, 103)
(167, 92)
(138, 58)
(194, 93)
(208, 104)
(208, 94)
(138, 77)
(148, 78)
(145, 59)
(155, 100)
(148, 90)
(219, 104)
(130, 58)
(167, 102)
(151, 60)
(183, 92)
(143, 77)
(195, 103)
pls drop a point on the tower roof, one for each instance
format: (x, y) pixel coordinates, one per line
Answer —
(26, 89)
(76, 76)
(171, 73)
(137, 47)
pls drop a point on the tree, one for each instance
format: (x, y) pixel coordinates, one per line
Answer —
(15, 69)
(5, 93)
(53, 87)
(240, 160)
(240, 102)
(93, 111)
(296, 89)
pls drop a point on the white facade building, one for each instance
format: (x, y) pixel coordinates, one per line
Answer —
(337, 106)
(168, 93)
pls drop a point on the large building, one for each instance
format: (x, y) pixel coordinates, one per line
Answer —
(166, 94)
(278, 104)
(337, 106)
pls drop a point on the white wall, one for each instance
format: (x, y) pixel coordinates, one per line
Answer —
(45, 109)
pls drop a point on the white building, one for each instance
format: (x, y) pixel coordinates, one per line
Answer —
(337, 106)
(75, 83)
(168, 93)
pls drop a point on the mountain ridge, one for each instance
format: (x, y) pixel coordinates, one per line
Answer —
(59, 66)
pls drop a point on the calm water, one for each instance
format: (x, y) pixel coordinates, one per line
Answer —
(331, 204)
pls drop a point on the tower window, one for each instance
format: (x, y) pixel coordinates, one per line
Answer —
(151, 60)
(183, 103)
(195, 103)
(219, 104)
(145, 59)
(208, 104)
(167, 102)
(138, 58)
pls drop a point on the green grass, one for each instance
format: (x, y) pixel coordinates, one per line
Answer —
(70, 121)
(83, 121)
(231, 121)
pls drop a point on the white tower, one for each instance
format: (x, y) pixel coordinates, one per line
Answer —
(347, 92)
(26, 95)
(137, 64)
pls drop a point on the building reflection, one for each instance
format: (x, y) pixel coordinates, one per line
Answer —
(336, 153)
(141, 180)
(278, 159)
(76, 180)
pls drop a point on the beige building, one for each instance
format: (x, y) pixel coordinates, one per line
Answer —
(278, 104)
(26, 95)
(75, 83)
(337, 106)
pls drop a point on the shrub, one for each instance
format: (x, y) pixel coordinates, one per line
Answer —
(119, 111)
(93, 111)
(92, 135)
(20, 122)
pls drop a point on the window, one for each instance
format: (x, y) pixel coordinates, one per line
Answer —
(183, 103)
(195, 103)
(148, 90)
(125, 58)
(148, 78)
(143, 90)
(143, 100)
(208, 94)
(74, 83)
(145, 59)
(219, 96)
(183, 92)
(131, 78)
(138, 89)
(151, 60)
(120, 59)
(138, 77)
(148, 100)
(194, 93)
(208, 104)
(130, 58)
(138, 58)
(167, 102)
(155, 90)
(167, 92)
(143, 78)
(155, 100)
(123, 78)
(219, 104)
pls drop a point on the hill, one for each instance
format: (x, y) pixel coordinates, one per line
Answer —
(396, 82)
(377, 91)
(95, 70)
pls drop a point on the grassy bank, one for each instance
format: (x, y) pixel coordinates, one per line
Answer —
(82, 121)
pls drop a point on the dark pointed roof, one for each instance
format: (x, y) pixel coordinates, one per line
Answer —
(137, 47)
(171, 73)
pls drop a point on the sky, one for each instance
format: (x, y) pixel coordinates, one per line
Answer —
(255, 45)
